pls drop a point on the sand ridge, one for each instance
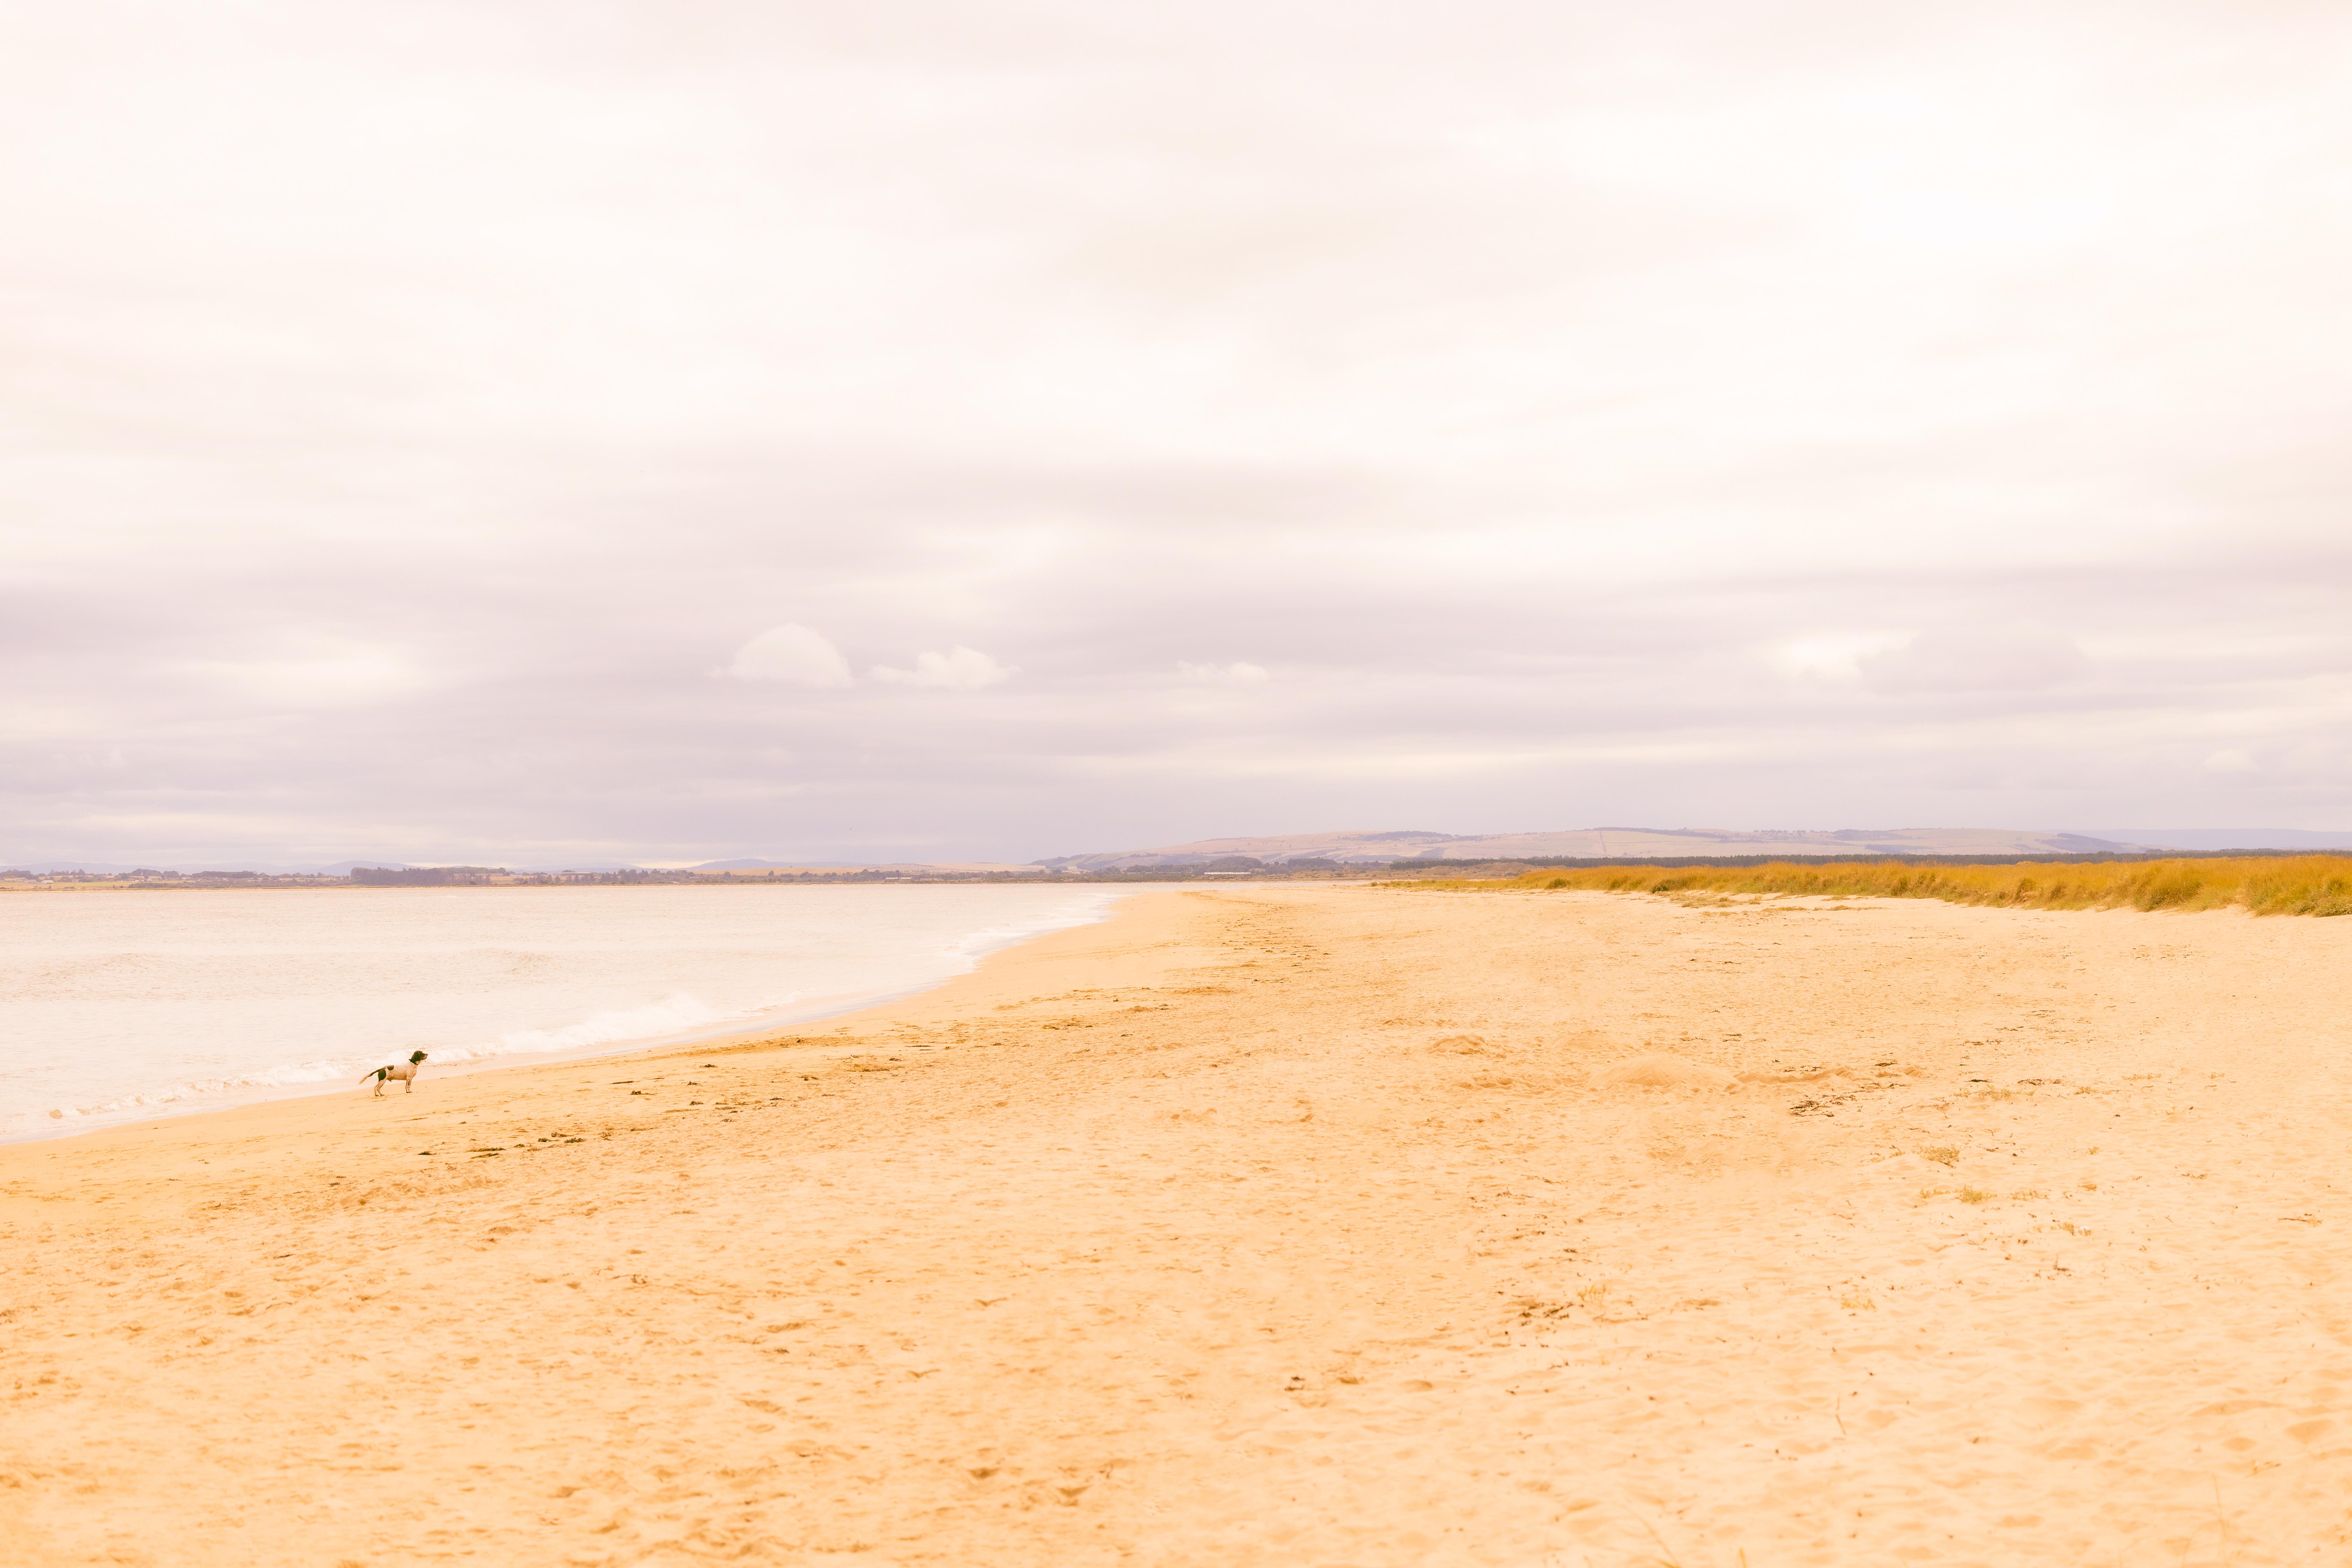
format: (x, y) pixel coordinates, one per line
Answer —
(1266, 1225)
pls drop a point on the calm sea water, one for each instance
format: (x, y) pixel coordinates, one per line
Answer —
(121, 1006)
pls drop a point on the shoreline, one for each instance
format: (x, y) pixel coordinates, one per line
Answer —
(791, 1016)
(948, 992)
(1263, 1225)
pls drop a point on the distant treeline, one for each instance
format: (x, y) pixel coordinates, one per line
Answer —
(1231, 867)
(428, 876)
(1226, 865)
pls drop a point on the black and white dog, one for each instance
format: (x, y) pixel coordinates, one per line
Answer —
(405, 1072)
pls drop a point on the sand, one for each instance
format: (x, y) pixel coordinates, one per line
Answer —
(1280, 1225)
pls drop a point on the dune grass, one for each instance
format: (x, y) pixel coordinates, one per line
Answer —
(2266, 885)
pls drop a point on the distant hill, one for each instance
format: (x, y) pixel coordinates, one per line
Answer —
(1596, 844)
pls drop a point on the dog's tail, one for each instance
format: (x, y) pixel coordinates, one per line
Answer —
(377, 1074)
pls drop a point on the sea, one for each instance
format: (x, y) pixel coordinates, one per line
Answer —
(120, 1006)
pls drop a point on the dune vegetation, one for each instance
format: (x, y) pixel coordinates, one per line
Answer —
(2266, 885)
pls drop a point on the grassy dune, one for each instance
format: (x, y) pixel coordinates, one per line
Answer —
(2282, 885)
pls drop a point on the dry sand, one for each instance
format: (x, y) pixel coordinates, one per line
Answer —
(1266, 1225)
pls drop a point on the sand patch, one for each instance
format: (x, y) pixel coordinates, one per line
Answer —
(1664, 1071)
(1816, 1076)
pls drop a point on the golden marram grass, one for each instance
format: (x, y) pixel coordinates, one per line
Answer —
(2265, 885)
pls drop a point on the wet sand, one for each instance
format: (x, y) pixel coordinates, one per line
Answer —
(1266, 1225)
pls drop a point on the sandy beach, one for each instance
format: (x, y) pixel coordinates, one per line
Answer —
(1265, 1225)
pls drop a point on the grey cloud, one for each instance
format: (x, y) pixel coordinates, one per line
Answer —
(401, 445)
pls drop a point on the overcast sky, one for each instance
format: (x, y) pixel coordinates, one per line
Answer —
(662, 431)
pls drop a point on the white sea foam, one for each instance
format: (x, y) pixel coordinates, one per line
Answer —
(122, 1006)
(672, 1015)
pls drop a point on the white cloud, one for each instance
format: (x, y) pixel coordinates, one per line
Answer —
(324, 673)
(1235, 674)
(1975, 658)
(793, 654)
(960, 669)
(1832, 655)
